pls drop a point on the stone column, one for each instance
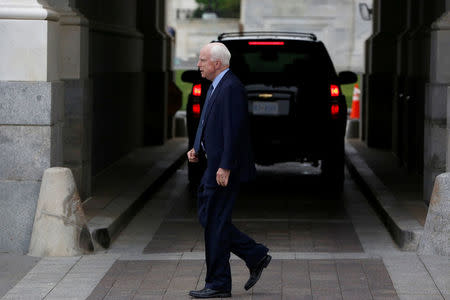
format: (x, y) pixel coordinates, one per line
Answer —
(77, 131)
(156, 75)
(381, 72)
(169, 45)
(437, 108)
(408, 25)
(417, 53)
(31, 113)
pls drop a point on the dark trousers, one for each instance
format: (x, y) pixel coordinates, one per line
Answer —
(215, 205)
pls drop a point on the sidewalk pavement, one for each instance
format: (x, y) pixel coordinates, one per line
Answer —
(121, 190)
(395, 194)
(117, 195)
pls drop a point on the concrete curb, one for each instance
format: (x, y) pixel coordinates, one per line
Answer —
(405, 230)
(106, 225)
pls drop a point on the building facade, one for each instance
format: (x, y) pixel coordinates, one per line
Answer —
(82, 83)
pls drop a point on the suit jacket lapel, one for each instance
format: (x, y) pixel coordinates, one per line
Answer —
(215, 94)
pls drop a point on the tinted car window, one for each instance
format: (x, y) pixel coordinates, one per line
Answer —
(280, 64)
(273, 61)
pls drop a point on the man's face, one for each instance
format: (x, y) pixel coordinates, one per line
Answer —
(206, 66)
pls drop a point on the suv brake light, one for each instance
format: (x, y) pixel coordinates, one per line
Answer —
(334, 90)
(265, 43)
(197, 90)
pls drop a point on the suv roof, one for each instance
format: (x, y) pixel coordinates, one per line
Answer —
(276, 35)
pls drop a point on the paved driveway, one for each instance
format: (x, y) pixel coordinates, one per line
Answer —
(323, 247)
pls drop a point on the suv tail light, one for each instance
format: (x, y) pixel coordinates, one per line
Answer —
(334, 110)
(334, 90)
(196, 109)
(197, 90)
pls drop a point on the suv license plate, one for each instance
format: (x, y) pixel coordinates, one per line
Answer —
(265, 108)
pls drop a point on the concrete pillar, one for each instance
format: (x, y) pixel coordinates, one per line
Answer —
(156, 73)
(417, 75)
(74, 58)
(381, 74)
(169, 45)
(31, 113)
(408, 25)
(437, 108)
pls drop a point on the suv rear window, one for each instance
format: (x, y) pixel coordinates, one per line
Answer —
(288, 64)
(273, 61)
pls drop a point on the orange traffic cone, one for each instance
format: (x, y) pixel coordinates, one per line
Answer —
(355, 103)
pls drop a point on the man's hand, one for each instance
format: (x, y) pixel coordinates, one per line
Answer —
(222, 177)
(192, 156)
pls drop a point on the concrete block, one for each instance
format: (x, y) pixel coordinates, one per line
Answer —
(26, 151)
(60, 225)
(436, 236)
(18, 204)
(31, 103)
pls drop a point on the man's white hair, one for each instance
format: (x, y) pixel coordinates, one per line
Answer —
(220, 52)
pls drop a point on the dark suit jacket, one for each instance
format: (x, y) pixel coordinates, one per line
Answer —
(226, 132)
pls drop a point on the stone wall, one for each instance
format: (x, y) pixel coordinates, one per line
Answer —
(73, 94)
(116, 75)
(31, 114)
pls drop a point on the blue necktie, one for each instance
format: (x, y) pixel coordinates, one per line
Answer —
(198, 135)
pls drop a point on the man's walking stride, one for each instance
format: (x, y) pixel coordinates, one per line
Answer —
(223, 137)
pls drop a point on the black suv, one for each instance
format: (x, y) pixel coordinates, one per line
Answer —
(296, 107)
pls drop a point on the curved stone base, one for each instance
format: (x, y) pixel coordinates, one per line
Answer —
(60, 225)
(436, 236)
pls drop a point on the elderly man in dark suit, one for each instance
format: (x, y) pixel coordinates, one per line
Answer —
(223, 137)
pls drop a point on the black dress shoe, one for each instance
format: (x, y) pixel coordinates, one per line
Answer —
(209, 293)
(256, 272)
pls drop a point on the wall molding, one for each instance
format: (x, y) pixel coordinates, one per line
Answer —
(29, 12)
